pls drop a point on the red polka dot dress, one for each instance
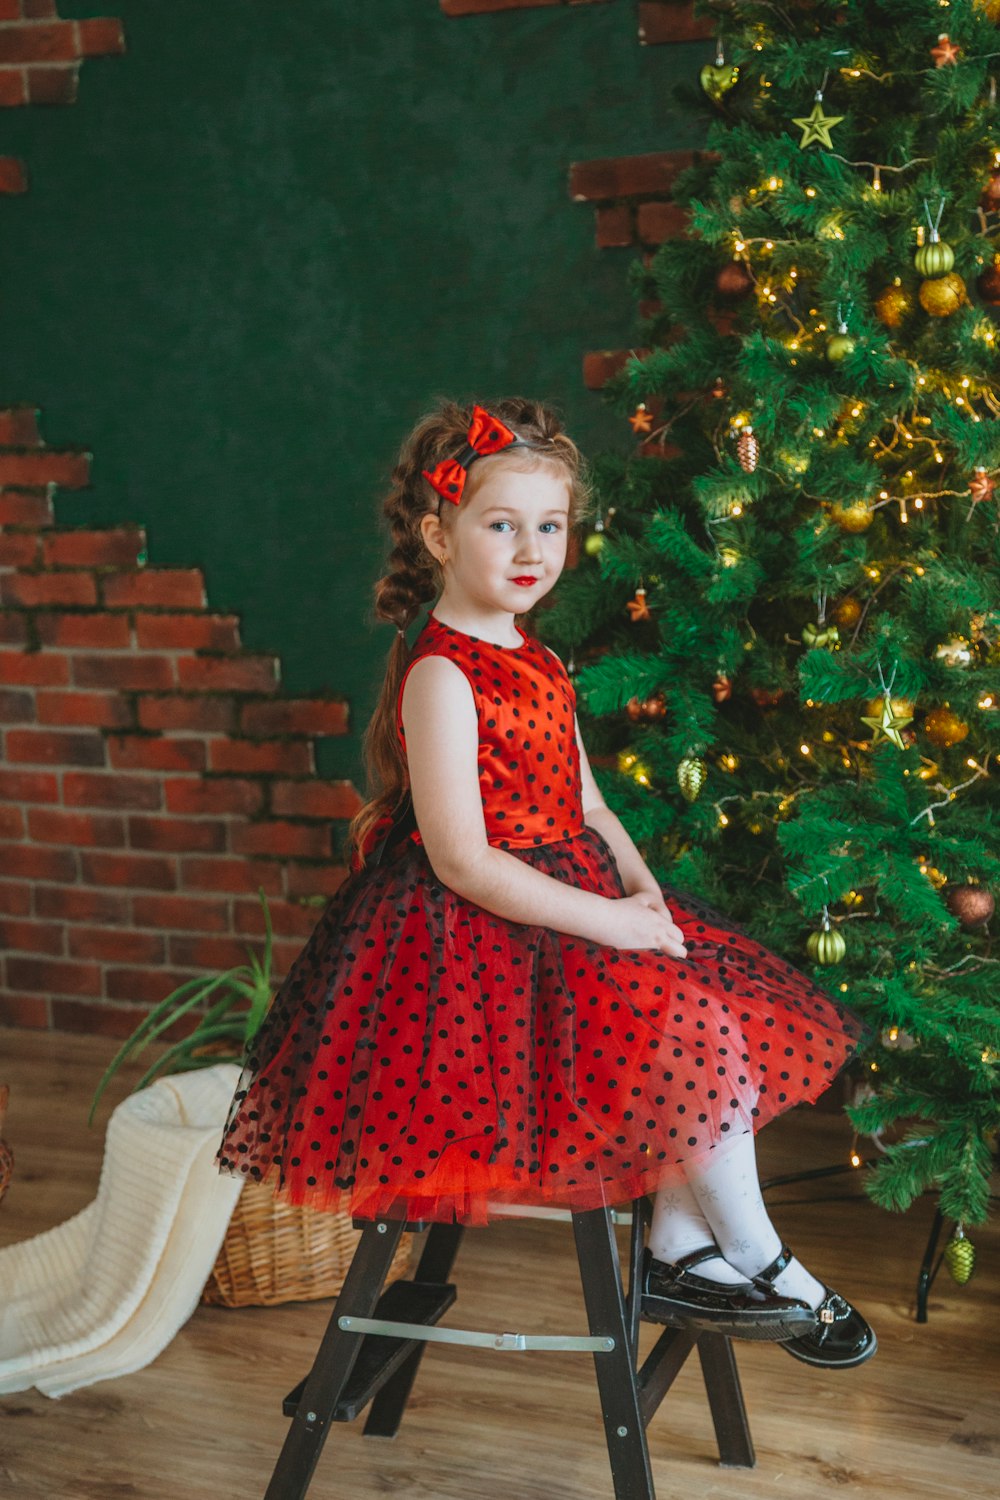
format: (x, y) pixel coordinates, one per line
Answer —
(426, 1058)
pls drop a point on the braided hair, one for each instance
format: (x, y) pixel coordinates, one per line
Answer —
(413, 576)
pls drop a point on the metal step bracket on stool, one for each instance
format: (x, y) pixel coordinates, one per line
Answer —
(375, 1340)
(477, 1340)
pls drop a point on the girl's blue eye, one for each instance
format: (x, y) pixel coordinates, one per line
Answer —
(553, 524)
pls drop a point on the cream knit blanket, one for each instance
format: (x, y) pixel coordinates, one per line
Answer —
(104, 1293)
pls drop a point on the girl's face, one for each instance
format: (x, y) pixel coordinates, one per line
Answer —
(506, 544)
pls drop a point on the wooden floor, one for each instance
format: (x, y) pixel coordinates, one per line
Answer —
(920, 1420)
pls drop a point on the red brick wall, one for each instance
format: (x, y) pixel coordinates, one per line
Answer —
(153, 775)
(40, 55)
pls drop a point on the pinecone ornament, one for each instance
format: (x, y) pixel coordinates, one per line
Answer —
(747, 450)
(959, 1256)
(691, 773)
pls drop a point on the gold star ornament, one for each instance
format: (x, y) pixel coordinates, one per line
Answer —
(816, 126)
(888, 723)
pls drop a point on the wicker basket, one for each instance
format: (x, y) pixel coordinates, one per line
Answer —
(274, 1253)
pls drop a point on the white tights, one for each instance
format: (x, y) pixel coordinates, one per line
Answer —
(721, 1202)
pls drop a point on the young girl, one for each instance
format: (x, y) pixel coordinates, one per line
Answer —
(498, 1005)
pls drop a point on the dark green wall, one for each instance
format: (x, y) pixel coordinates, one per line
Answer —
(268, 236)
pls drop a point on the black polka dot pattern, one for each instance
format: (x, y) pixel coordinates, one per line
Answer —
(426, 1057)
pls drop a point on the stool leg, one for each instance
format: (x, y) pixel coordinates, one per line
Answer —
(334, 1361)
(725, 1397)
(436, 1261)
(600, 1273)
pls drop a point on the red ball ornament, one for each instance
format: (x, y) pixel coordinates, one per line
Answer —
(988, 284)
(991, 192)
(733, 280)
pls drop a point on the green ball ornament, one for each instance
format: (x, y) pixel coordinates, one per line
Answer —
(839, 347)
(826, 946)
(936, 258)
(593, 543)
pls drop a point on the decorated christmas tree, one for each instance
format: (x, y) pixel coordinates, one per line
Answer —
(785, 621)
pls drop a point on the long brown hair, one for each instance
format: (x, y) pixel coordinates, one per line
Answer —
(413, 575)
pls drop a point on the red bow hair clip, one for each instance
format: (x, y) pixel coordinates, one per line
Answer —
(486, 435)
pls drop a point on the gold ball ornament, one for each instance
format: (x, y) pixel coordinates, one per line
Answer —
(973, 905)
(691, 774)
(852, 515)
(901, 707)
(944, 728)
(943, 295)
(959, 1255)
(893, 306)
(827, 946)
(593, 543)
(847, 612)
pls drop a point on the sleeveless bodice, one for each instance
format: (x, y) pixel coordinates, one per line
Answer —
(529, 764)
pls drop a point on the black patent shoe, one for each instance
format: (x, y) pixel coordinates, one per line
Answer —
(673, 1293)
(840, 1337)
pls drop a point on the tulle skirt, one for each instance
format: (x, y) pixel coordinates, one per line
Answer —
(426, 1058)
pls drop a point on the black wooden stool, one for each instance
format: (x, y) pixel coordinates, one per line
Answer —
(374, 1342)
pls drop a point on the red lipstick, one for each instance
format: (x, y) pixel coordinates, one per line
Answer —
(525, 580)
